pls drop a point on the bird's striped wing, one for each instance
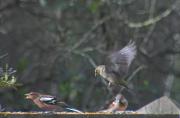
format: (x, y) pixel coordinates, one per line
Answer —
(48, 99)
(120, 61)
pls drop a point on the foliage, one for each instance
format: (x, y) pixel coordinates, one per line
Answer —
(7, 78)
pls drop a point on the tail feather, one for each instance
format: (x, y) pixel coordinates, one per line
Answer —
(73, 110)
(67, 108)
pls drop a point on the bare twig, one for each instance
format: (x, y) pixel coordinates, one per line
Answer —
(91, 61)
(87, 34)
(2, 56)
(151, 14)
(154, 20)
(132, 76)
(152, 9)
(85, 38)
(135, 72)
(170, 79)
(149, 21)
(168, 84)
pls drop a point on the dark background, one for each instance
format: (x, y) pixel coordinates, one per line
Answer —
(55, 44)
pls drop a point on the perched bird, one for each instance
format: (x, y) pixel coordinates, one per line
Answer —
(48, 102)
(117, 65)
(119, 104)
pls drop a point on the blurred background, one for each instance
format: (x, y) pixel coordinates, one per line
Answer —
(55, 45)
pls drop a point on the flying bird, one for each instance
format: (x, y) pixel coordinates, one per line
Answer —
(119, 104)
(117, 65)
(49, 103)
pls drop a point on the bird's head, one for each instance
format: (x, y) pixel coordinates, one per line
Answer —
(120, 99)
(32, 95)
(119, 104)
(99, 70)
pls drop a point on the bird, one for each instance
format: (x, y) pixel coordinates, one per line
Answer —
(49, 103)
(117, 66)
(118, 105)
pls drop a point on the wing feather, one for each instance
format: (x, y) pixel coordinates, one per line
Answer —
(120, 61)
(48, 99)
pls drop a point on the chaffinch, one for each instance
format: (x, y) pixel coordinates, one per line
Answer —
(49, 103)
(119, 104)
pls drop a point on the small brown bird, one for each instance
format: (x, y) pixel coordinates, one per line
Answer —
(119, 104)
(117, 66)
(49, 103)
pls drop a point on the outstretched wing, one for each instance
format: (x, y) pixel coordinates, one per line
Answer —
(120, 61)
(48, 99)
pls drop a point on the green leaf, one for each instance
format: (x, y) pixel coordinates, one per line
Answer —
(94, 6)
(7, 78)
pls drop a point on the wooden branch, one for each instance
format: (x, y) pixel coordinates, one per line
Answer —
(85, 115)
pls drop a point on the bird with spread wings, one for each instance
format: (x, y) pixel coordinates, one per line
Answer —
(118, 65)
